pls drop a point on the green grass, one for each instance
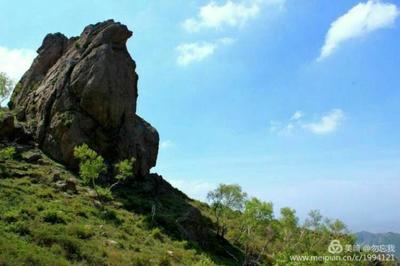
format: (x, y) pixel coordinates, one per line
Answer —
(40, 225)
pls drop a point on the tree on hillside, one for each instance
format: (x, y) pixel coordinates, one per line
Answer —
(289, 224)
(257, 230)
(92, 165)
(224, 200)
(6, 86)
(314, 221)
(124, 170)
(336, 226)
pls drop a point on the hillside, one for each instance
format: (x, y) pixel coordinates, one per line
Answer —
(49, 218)
(76, 186)
(379, 239)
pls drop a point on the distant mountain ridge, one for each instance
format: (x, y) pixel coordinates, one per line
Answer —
(390, 238)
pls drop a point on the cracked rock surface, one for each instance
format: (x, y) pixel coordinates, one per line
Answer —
(84, 90)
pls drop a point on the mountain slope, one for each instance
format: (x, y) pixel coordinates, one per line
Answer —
(367, 238)
(48, 218)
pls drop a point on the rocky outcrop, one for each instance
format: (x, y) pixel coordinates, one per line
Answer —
(84, 90)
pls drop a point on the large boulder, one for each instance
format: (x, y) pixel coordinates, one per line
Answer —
(84, 90)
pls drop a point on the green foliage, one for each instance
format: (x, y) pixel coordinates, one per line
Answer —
(314, 220)
(77, 45)
(139, 224)
(6, 86)
(257, 213)
(81, 231)
(124, 169)
(224, 200)
(336, 226)
(256, 230)
(104, 194)
(7, 153)
(91, 165)
(74, 231)
(67, 119)
(54, 216)
(288, 218)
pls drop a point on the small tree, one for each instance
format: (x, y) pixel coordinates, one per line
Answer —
(314, 221)
(91, 165)
(257, 230)
(124, 170)
(336, 226)
(6, 86)
(7, 153)
(289, 224)
(224, 200)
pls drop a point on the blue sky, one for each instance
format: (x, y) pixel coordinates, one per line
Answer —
(296, 101)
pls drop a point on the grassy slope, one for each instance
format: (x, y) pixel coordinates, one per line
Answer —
(41, 225)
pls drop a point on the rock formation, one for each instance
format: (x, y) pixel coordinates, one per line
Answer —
(84, 90)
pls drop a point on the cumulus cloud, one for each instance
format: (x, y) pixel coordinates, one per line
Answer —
(326, 124)
(233, 14)
(197, 51)
(360, 20)
(15, 62)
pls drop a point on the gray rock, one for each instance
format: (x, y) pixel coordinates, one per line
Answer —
(84, 90)
(7, 126)
(31, 157)
(67, 185)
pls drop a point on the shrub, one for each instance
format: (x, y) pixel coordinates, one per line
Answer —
(103, 194)
(91, 164)
(124, 170)
(54, 217)
(11, 216)
(20, 228)
(7, 153)
(81, 231)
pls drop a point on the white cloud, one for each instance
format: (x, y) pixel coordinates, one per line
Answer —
(194, 189)
(166, 144)
(15, 62)
(198, 51)
(233, 14)
(357, 22)
(297, 115)
(327, 124)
